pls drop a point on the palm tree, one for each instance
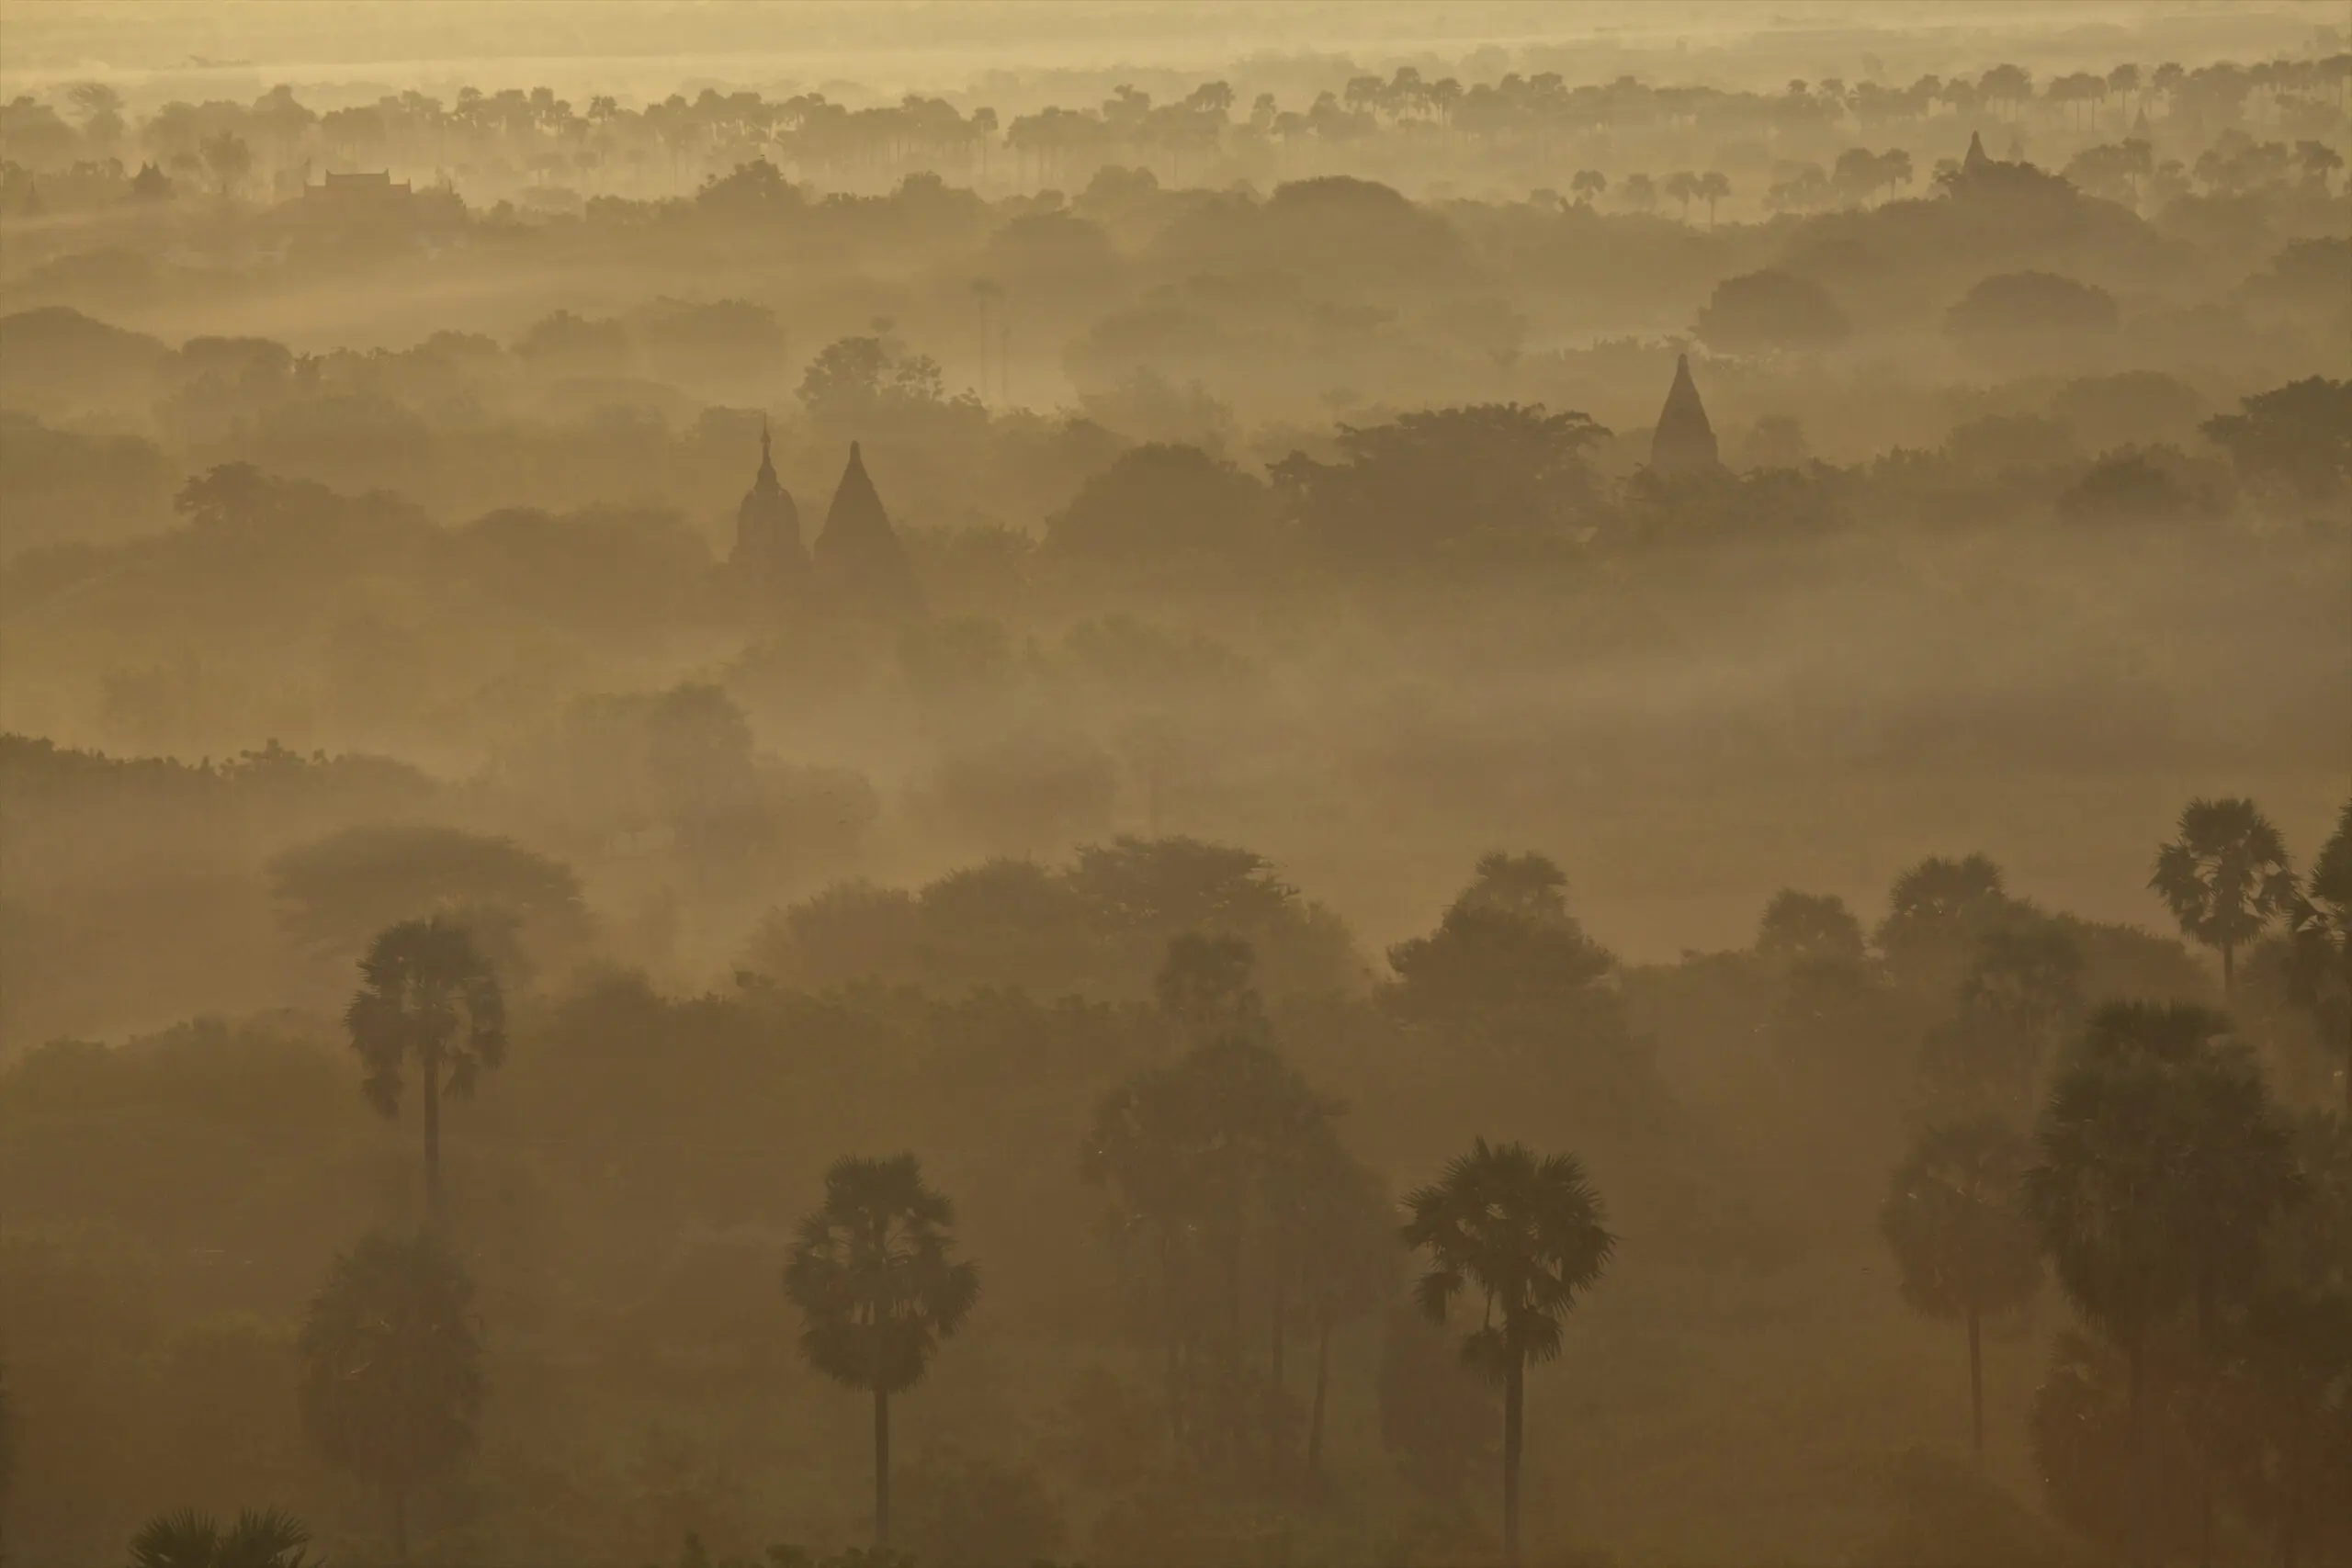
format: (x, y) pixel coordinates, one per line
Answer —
(1714, 186)
(1344, 1245)
(1955, 1220)
(7, 1452)
(2321, 924)
(427, 994)
(187, 1539)
(2162, 1162)
(391, 1382)
(1526, 1232)
(872, 1276)
(2225, 877)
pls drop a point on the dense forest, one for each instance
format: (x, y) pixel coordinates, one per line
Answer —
(1570, 801)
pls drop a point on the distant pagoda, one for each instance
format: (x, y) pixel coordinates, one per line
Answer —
(1684, 442)
(767, 532)
(859, 561)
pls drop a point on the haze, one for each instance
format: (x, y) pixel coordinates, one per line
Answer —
(951, 786)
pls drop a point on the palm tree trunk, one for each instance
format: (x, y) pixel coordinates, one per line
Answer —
(1274, 1388)
(1314, 1413)
(400, 1525)
(2347, 1068)
(1976, 1381)
(2229, 973)
(432, 1066)
(1515, 1408)
(881, 1470)
(2139, 1491)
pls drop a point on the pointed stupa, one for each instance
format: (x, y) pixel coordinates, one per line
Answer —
(767, 529)
(858, 557)
(2139, 124)
(1978, 157)
(1684, 442)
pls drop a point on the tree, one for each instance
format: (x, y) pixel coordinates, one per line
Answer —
(1714, 186)
(1525, 1233)
(1587, 185)
(2225, 877)
(874, 1275)
(7, 1453)
(1342, 1246)
(391, 1382)
(1682, 186)
(1759, 311)
(188, 1538)
(2161, 1162)
(2319, 925)
(2297, 437)
(229, 158)
(1809, 926)
(427, 999)
(1955, 1220)
(333, 894)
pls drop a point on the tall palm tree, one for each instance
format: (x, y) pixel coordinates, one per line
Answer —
(2160, 1164)
(1955, 1220)
(427, 998)
(2321, 924)
(1525, 1233)
(874, 1276)
(391, 1382)
(2225, 877)
(1345, 1250)
(187, 1539)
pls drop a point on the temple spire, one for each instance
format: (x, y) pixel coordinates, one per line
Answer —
(1684, 442)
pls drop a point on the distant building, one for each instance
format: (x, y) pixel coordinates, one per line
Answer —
(860, 565)
(357, 196)
(768, 553)
(1684, 442)
(150, 184)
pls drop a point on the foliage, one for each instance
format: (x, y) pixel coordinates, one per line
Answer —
(1761, 312)
(2225, 878)
(335, 894)
(1523, 1233)
(1427, 483)
(2293, 436)
(391, 1382)
(1955, 1220)
(428, 1000)
(188, 1538)
(872, 1274)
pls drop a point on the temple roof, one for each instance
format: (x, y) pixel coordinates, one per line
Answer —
(858, 552)
(1684, 440)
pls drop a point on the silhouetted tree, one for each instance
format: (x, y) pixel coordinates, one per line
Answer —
(391, 1380)
(1343, 1246)
(188, 1538)
(2319, 925)
(2225, 877)
(1955, 1220)
(874, 1274)
(1524, 1233)
(429, 1003)
(2297, 437)
(2161, 1162)
(1800, 926)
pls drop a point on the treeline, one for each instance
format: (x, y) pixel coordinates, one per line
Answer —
(1159, 1173)
(531, 142)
